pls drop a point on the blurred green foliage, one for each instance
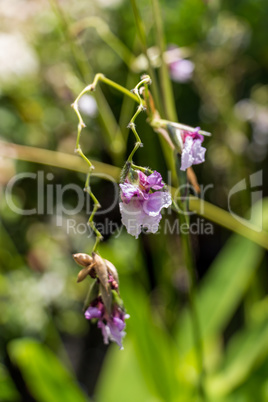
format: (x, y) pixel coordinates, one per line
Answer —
(48, 52)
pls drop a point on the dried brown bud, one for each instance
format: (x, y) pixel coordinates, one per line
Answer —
(83, 259)
(83, 273)
(104, 271)
(101, 270)
(112, 270)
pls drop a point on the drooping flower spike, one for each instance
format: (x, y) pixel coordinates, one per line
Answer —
(143, 198)
(103, 303)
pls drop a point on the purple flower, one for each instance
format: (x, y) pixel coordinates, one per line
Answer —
(112, 326)
(155, 181)
(192, 152)
(130, 190)
(181, 70)
(141, 206)
(103, 302)
(93, 312)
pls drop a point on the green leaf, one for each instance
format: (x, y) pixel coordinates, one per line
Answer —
(121, 370)
(154, 347)
(45, 376)
(223, 287)
(222, 290)
(247, 349)
(8, 392)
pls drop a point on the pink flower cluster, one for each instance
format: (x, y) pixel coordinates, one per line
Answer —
(142, 202)
(111, 325)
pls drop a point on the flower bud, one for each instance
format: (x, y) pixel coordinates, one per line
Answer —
(101, 270)
(112, 271)
(83, 273)
(82, 259)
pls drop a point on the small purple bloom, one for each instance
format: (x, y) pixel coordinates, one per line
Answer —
(155, 181)
(129, 191)
(192, 152)
(181, 70)
(119, 323)
(111, 326)
(141, 206)
(93, 312)
(116, 327)
(105, 332)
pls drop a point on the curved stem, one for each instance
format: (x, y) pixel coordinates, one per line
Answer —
(95, 208)
(145, 81)
(164, 123)
(120, 88)
(141, 168)
(79, 151)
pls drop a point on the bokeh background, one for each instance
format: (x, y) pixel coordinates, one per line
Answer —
(49, 50)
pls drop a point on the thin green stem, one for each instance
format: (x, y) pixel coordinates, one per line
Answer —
(100, 77)
(142, 37)
(197, 334)
(57, 159)
(118, 87)
(226, 220)
(141, 168)
(79, 151)
(95, 208)
(182, 209)
(155, 122)
(145, 81)
(77, 52)
(83, 156)
(127, 107)
(134, 95)
(167, 92)
(164, 123)
(106, 35)
(105, 116)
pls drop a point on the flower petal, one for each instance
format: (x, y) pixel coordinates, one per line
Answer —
(106, 333)
(155, 181)
(92, 312)
(186, 156)
(132, 215)
(142, 179)
(120, 324)
(193, 153)
(116, 334)
(157, 201)
(181, 70)
(129, 191)
(151, 223)
(198, 152)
